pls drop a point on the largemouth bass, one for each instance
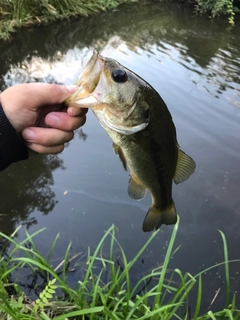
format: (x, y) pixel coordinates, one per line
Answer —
(143, 133)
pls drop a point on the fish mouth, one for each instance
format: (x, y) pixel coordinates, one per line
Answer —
(86, 96)
(88, 80)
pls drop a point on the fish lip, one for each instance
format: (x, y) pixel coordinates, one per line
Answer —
(88, 68)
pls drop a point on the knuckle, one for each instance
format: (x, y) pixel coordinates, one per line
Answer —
(47, 140)
(37, 148)
(56, 92)
(80, 122)
(69, 136)
(84, 118)
(46, 150)
(59, 149)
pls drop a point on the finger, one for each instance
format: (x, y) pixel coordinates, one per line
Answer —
(46, 110)
(46, 136)
(62, 121)
(34, 95)
(73, 112)
(45, 150)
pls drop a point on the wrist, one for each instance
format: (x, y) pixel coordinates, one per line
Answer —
(12, 146)
(5, 111)
(9, 112)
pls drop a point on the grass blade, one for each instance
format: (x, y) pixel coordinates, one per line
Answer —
(199, 298)
(226, 262)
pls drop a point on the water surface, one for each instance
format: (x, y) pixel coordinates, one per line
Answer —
(193, 62)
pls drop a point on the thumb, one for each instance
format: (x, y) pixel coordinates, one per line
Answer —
(34, 95)
(20, 103)
(48, 94)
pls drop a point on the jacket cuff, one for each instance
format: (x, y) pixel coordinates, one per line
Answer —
(12, 147)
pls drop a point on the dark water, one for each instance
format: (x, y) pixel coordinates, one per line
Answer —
(194, 63)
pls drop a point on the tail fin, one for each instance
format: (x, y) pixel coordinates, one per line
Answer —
(155, 218)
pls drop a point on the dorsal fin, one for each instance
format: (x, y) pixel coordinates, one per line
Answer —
(185, 167)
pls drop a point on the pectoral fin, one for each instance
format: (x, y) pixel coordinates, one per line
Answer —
(118, 151)
(135, 189)
(185, 167)
(156, 217)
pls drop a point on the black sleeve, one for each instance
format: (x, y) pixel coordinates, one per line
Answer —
(12, 148)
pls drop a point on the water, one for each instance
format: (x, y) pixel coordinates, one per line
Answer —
(193, 62)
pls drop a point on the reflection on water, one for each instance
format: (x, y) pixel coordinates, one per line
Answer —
(207, 49)
(29, 191)
(51, 70)
(194, 64)
(30, 185)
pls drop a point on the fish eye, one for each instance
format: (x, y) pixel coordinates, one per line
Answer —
(119, 75)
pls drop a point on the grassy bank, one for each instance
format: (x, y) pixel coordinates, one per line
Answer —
(18, 13)
(159, 294)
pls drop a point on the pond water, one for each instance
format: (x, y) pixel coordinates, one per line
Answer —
(194, 64)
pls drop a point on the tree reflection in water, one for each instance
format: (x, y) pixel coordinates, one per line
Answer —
(28, 186)
(139, 28)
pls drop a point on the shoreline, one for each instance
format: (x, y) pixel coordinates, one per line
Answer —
(18, 13)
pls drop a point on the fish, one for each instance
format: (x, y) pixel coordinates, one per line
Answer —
(142, 130)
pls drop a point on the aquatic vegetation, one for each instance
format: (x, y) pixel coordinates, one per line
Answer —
(159, 294)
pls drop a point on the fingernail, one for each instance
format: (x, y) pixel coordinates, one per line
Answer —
(72, 111)
(72, 88)
(53, 120)
(28, 134)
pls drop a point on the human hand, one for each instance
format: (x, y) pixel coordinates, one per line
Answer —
(37, 112)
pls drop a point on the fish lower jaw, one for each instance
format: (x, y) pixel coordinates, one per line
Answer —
(107, 123)
(87, 102)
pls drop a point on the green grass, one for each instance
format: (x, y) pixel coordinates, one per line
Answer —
(18, 13)
(159, 294)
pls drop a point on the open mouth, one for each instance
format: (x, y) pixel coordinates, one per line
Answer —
(90, 94)
(87, 82)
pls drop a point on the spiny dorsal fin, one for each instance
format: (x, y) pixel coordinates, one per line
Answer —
(185, 167)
